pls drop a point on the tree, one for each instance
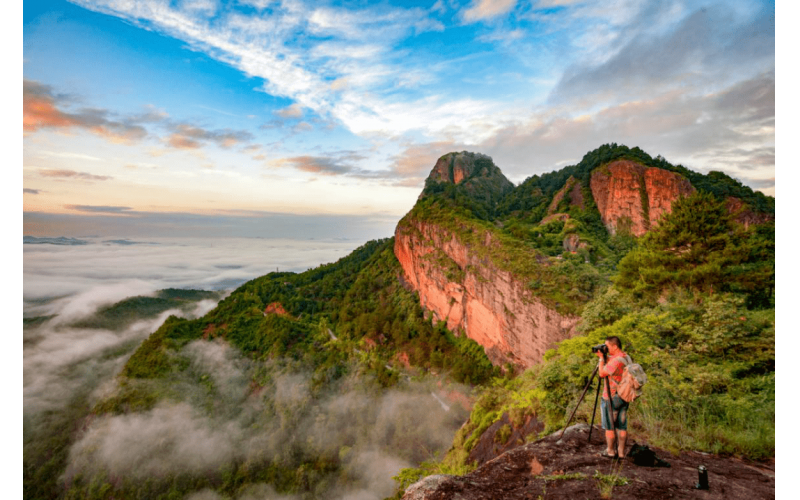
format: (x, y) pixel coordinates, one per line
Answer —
(699, 247)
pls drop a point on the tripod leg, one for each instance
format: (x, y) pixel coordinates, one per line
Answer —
(579, 402)
(594, 409)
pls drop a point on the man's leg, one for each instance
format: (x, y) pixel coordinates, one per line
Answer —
(605, 411)
(610, 443)
(623, 436)
(622, 429)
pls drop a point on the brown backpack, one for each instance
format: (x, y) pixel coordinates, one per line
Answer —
(633, 379)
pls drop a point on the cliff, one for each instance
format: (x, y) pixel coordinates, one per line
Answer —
(457, 267)
(629, 193)
(474, 295)
(475, 247)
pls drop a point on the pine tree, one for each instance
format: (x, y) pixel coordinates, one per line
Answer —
(699, 247)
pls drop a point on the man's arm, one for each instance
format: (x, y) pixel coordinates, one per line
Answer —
(606, 370)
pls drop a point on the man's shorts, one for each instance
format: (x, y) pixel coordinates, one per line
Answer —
(621, 411)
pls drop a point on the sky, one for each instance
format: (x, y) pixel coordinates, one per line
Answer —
(281, 118)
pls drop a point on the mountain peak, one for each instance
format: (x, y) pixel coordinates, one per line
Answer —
(476, 173)
(456, 168)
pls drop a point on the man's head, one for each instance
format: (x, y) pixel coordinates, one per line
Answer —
(614, 344)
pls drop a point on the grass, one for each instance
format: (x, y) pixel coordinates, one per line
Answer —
(718, 425)
(606, 482)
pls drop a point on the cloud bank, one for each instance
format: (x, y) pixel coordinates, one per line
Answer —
(101, 273)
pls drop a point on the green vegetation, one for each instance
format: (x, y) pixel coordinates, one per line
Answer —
(606, 482)
(565, 477)
(700, 248)
(345, 329)
(132, 309)
(693, 302)
(690, 318)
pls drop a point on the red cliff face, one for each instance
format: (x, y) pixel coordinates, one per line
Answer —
(743, 214)
(572, 189)
(626, 191)
(490, 305)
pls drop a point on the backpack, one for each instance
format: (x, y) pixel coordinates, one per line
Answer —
(644, 456)
(633, 379)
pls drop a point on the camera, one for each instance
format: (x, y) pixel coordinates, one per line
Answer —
(600, 348)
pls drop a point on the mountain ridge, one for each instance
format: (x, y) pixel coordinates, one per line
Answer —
(475, 268)
(460, 267)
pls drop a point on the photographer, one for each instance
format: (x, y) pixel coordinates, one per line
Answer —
(611, 370)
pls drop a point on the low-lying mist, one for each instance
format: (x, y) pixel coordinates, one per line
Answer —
(66, 368)
(225, 408)
(64, 284)
(214, 416)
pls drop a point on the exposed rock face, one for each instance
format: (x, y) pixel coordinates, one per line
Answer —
(490, 305)
(572, 242)
(476, 172)
(275, 308)
(628, 193)
(743, 215)
(563, 469)
(572, 189)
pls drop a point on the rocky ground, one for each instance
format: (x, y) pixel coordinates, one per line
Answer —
(572, 468)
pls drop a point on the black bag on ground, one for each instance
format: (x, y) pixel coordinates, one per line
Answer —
(641, 454)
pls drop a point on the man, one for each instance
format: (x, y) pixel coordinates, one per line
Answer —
(612, 372)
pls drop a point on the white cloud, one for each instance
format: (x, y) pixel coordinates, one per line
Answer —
(351, 66)
(166, 440)
(102, 273)
(487, 9)
(204, 7)
(77, 156)
(293, 111)
(362, 55)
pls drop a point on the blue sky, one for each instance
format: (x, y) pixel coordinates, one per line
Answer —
(140, 115)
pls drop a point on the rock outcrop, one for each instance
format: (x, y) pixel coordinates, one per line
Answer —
(275, 308)
(476, 173)
(474, 296)
(459, 167)
(629, 194)
(490, 305)
(744, 215)
(568, 468)
(572, 190)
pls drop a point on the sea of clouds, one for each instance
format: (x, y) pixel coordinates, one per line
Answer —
(70, 282)
(65, 366)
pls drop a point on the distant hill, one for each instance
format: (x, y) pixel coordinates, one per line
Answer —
(61, 240)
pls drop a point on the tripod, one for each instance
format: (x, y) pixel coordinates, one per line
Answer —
(594, 410)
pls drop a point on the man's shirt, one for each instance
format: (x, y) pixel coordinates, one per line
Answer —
(614, 368)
